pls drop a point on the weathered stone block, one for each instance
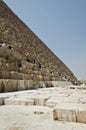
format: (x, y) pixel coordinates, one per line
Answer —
(16, 75)
(70, 112)
(19, 101)
(1, 101)
(63, 113)
(48, 84)
(8, 85)
(42, 84)
(61, 83)
(21, 85)
(81, 114)
(40, 100)
(51, 103)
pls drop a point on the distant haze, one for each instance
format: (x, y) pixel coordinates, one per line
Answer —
(61, 25)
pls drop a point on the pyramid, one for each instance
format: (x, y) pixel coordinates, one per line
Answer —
(23, 53)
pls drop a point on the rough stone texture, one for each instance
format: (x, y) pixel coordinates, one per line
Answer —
(31, 118)
(1, 101)
(70, 112)
(67, 104)
(18, 101)
(40, 100)
(61, 83)
(9, 85)
(38, 61)
(53, 107)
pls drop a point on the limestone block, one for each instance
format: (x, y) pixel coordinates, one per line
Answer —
(75, 97)
(70, 112)
(48, 84)
(1, 101)
(42, 84)
(51, 103)
(2, 60)
(21, 85)
(19, 101)
(27, 76)
(55, 83)
(29, 84)
(25, 84)
(40, 100)
(81, 114)
(65, 115)
(46, 78)
(15, 75)
(4, 75)
(1, 85)
(39, 77)
(61, 83)
(56, 98)
(8, 85)
(83, 99)
(65, 112)
(10, 75)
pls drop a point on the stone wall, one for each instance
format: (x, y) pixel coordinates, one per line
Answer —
(9, 85)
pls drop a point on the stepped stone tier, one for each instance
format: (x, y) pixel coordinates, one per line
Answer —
(23, 56)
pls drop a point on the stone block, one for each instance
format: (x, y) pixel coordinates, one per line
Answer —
(81, 114)
(8, 85)
(30, 84)
(55, 83)
(48, 84)
(15, 75)
(21, 85)
(51, 103)
(4, 75)
(1, 101)
(42, 84)
(40, 100)
(61, 83)
(19, 101)
(27, 84)
(70, 112)
(64, 112)
(1, 85)
(39, 77)
(83, 99)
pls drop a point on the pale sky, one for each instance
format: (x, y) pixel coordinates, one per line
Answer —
(61, 25)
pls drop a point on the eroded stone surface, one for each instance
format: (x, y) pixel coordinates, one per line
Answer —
(71, 112)
(1, 101)
(44, 105)
(15, 117)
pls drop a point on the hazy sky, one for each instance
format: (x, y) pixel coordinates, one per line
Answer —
(61, 25)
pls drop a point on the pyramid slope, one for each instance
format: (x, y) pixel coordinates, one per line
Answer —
(13, 32)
